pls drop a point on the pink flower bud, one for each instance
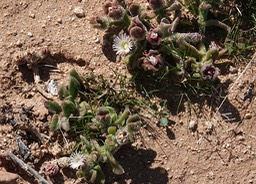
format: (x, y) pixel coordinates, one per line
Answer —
(209, 71)
(49, 168)
(156, 4)
(137, 30)
(152, 61)
(122, 136)
(113, 10)
(98, 22)
(154, 36)
(134, 9)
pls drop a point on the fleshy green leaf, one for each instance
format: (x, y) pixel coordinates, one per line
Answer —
(53, 107)
(133, 118)
(116, 167)
(63, 92)
(112, 130)
(74, 74)
(110, 141)
(122, 117)
(100, 178)
(74, 87)
(164, 122)
(83, 108)
(87, 143)
(80, 173)
(54, 124)
(102, 111)
(68, 108)
(93, 176)
(64, 123)
(133, 127)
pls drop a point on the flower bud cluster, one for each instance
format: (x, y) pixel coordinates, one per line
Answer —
(149, 40)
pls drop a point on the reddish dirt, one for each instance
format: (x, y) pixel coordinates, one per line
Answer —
(217, 152)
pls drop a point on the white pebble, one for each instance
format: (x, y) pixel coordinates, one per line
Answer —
(52, 87)
(79, 11)
(97, 40)
(32, 15)
(30, 34)
(192, 125)
(59, 20)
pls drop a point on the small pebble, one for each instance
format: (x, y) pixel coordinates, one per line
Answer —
(248, 116)
(30, 34)
(72, 19)
(97, 40)
(19, 43)
(59, 20)
(192, 125)
(32, 15)
(79, 11)
(240, 138)
(233, 69)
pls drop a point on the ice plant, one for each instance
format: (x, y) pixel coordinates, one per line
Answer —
(77, 159)
(113, 10)
(101, 128)
(134, 9)
(122, 136)
(98, 22)
(49, 168)
(152, 62)
(181, 51)
(122, 44)
(156, 4)
(137, 29)
(63, 162)
(154, 36)
(209, 71)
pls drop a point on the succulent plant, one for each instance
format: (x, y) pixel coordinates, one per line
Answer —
(149, 41)
(49, 168)
(101, 128)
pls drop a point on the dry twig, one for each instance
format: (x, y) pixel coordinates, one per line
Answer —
(27, 168)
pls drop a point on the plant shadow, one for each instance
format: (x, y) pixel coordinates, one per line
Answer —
(137, 166)
(47, 65)
(107, 49)
(177, 94)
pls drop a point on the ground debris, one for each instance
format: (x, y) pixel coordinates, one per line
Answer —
(26, 167)
(8, 177)
(23, 149)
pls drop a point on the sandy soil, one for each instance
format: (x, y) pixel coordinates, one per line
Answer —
(219, 151)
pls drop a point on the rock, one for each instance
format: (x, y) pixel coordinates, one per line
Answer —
(8, 178)
(30, 34)
(52, 87)
(79, 11)
(233, 70)
(248, 116)
(192, 125)
(97, 40)
(59, 20)
(19, 43)
(32, 15)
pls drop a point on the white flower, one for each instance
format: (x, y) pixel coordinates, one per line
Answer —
(122, 44)
(152, 60)
(77, 159)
